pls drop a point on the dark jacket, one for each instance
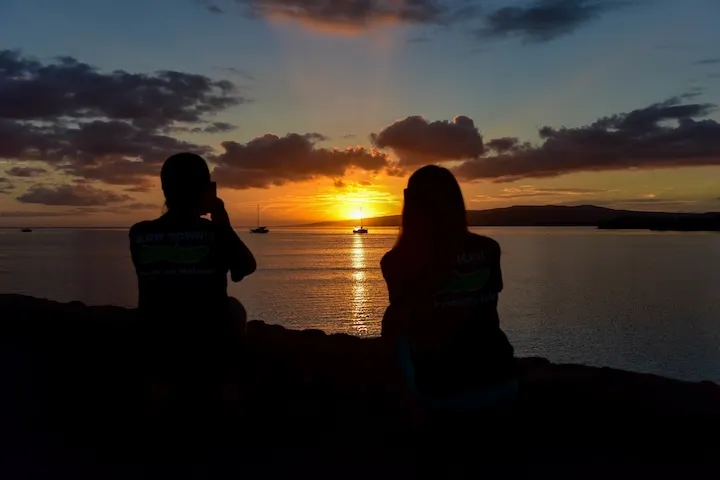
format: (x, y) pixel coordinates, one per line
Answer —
(182, 264)
(445, 305)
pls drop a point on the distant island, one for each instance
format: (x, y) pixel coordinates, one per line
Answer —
(565, 216)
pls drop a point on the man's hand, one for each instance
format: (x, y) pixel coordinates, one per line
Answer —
(218, 214)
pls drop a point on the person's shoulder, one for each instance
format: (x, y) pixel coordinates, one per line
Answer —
(389, 259)
(203, 222)
(218, 229)
(390, 255)
(481, 242)
(168, 223)
(141, 227)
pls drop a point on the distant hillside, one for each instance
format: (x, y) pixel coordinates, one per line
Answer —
(528, 216)
(696, 222)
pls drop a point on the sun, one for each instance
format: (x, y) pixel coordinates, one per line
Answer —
(357, 214)
(354, 204)
(353, 211)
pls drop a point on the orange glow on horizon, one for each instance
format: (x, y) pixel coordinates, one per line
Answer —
(332, 199)
(355, 212)
(358, 202)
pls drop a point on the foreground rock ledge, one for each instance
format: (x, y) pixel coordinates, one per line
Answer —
(69, 377)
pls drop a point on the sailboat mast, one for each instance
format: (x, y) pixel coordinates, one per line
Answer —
(361, 217)
(258, 215)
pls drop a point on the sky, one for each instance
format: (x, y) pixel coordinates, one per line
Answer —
(315, 109)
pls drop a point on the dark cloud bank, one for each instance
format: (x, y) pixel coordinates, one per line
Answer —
(533, 21)
(116, 128)
(544, 20)
(71, 195)
(6, 186)
(272, 160)
(663, 135)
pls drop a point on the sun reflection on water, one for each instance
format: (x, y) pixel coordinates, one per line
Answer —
(359, 287)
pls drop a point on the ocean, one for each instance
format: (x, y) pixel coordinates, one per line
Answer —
(646, 301)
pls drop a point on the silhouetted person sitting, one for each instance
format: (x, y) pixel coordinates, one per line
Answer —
(191, 326)
(443, 283)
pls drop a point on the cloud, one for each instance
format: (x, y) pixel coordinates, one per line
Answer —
(528, 191)
(114, 152)
(340, 184)
(420, 39)
(78, 211)
(32, 214)
(708, 61)
(417, 141)
(272, 160)
(663, 135)
(209, 6)
(71, 195)
(505, 144)
(533, 21)
(108, 126)
(70, 89)
(214, 127)
(351, 13)
(219, 127)
(117, 128)
(6, 186)
(237, 72)
(351, 16)
(543, 20)
(138, 189)
(26, 171)
(692, 93)
(138, 206)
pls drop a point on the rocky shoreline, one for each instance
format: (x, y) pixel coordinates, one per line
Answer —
(318, 405)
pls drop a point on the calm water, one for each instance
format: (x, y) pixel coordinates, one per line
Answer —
(640, 300)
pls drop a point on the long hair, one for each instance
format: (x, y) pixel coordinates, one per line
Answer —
(434, 216)
(185, 178)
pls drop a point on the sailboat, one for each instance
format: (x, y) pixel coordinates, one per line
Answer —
(259, 229)
(360, 229)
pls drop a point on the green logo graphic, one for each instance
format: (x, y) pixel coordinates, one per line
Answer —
(465, 283)
(173, 254)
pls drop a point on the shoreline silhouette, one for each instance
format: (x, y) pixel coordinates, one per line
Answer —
(312, 395)
(563, 216)
(516, 216)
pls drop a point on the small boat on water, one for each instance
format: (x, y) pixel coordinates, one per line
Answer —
(259, 229)
(360, 229)
(26, 230)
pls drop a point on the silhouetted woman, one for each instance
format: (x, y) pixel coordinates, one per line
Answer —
(182, 260)
(443, 283)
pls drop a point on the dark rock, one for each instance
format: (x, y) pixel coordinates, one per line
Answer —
(75, 403)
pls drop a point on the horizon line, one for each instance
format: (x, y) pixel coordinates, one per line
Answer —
(327, 223)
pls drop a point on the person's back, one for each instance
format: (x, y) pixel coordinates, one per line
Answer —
(186, 319)
(182, 265)
(449, 307)
(443, 283)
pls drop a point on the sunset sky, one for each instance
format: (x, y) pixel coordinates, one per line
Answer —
(314, 108)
